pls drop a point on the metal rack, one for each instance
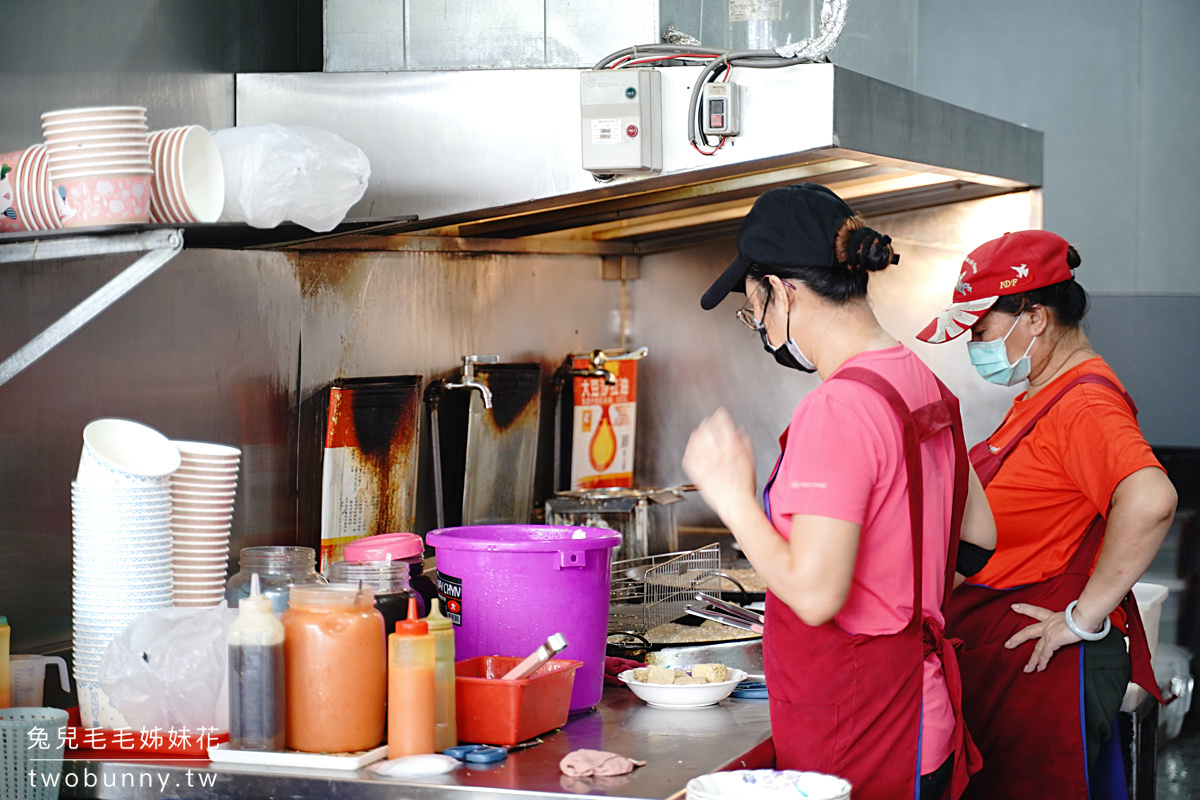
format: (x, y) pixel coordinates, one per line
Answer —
(157, 248)
(647, 592)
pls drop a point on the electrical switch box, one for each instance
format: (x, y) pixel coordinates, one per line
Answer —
(719, 107)
(621, 121)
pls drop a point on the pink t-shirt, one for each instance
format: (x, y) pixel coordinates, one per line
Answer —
(845, 460)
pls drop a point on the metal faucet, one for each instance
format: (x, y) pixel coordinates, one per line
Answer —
(468, 377)
(594, 369)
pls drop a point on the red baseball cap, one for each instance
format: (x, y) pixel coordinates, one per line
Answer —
(1015, 263)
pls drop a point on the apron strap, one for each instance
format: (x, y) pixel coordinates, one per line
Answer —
(962, 478)
(1005, 451)
(913, 465)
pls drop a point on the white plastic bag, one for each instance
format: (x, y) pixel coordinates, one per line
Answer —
(272, 173)
(167, 670)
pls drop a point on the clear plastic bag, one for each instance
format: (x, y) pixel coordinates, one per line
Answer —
(274, 173)
(167, 670)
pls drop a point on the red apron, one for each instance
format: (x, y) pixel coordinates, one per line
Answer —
(850, 704)
(1029, 727)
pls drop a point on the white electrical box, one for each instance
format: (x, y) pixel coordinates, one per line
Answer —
(719, 107)
(621, 121)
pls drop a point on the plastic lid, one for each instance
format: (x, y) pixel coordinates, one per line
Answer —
(414, 625)
(435, 620)
(339, 595)
(523, 538)
(384, 547)
(3, 620)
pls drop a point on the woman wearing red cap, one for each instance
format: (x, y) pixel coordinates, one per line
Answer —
(860, 536)
(1081, 506)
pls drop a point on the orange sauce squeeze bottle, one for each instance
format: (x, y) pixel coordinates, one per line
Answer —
(411, 691)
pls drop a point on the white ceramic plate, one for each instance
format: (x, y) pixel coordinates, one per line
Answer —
(697, 695)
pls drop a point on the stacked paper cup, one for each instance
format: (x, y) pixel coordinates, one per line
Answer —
(189, 182)
(99, 164)
(202, 492)
(121, 512)
(25, 181)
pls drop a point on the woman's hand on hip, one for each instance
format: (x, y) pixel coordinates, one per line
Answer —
(719, 460)
(1051, 632)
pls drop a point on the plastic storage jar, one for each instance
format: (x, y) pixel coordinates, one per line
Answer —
(335, 666)
(396, 548)
(278, 568)
(389, 581)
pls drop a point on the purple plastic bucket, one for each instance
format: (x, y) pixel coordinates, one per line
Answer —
(514, 585)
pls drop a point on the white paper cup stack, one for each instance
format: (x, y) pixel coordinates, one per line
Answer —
(121, 514)
(189, 181)
(202, 492)
(99, 165)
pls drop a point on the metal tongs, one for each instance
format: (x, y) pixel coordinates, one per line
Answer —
(727, 614)
(532, 663)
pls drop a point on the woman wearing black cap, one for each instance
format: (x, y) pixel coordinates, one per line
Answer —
(860, 534)
(1081, 506)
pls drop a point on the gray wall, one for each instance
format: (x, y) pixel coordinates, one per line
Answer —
(1115, 86)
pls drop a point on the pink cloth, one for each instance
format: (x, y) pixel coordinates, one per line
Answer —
(596, 763)
(845, 460)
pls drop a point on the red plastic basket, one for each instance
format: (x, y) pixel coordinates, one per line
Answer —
(494, 711)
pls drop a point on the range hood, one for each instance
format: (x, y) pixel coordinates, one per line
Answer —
(495, 154)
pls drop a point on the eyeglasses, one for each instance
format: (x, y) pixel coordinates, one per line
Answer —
(745, 314)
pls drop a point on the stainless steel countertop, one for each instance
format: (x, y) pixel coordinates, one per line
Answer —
(677, 744)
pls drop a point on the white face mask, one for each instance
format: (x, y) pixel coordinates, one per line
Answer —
(991, 360)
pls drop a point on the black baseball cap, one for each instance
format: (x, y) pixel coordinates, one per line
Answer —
(792, 226)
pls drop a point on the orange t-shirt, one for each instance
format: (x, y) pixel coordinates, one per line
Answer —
(1060, 476)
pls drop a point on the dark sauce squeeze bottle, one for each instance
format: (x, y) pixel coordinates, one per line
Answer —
(256, 696)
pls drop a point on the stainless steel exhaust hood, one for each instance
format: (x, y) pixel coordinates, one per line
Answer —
(495, 154)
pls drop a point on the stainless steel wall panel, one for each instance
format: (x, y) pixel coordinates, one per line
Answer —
(580, 34)
(464, 34)
(702, 360)
(205, 349)
(364, 35)
(171, 99)
(371, 314)
(513, 137)
(188, 36)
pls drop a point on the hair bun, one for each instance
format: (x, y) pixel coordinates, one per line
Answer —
(868, 249)
(1073, 259)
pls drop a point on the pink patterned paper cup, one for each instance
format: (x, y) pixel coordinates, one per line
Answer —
(10, 199)
(37, 196)
(103, 200)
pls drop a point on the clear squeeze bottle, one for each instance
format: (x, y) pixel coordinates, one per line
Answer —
(411, 689)
(445, 728)
(257, 701)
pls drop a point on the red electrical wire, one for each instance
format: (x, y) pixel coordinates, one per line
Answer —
(720, 144)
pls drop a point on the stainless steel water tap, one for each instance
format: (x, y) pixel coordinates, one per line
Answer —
(468, 377)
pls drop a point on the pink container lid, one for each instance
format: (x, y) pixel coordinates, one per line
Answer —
(384, 547)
